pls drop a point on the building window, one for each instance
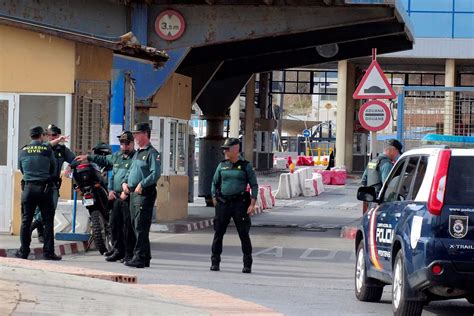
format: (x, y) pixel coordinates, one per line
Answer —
(454, 18)
(466, 79)
(170, 137)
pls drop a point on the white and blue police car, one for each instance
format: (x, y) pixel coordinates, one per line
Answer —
(419, 234)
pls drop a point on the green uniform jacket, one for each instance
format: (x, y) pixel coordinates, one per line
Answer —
(145, 168)
(36, 162)
(120, 165)
(62, 154)
(383, 169)
(232, 178)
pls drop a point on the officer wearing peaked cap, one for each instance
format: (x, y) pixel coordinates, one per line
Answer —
(123, 237)
(37, 164)
(231, 200)
(140, 183)
(379, 168)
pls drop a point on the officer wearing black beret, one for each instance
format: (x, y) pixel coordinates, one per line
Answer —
(231, 200)
(140, 183)
(37, 164)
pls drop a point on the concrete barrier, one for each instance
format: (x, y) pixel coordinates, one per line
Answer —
(318, 183)
(301, 182)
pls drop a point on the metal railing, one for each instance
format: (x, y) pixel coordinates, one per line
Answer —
(434, 110)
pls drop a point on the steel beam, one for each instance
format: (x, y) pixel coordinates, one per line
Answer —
(208, 25)
(201, 75)
(289, 42)
(309, 56)
(91, 17)
(216, 99)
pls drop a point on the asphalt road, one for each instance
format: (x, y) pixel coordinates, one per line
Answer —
(304, 269)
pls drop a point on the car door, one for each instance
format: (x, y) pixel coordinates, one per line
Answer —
(380, 229)
(396, 202)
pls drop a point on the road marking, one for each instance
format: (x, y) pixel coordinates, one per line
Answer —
(317, 203)
(325, 254)
(276, 251)
(348, 204)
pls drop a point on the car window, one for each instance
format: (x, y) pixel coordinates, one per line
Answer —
(460, 181)
(390, 193)
(407, 178)
(420, 175)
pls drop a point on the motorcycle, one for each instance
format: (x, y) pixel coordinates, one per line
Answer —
(88, 179)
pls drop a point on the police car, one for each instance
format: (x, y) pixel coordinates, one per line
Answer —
(419, 236)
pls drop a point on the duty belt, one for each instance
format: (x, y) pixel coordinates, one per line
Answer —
(233, 197)
(144, 190)
(36, 182)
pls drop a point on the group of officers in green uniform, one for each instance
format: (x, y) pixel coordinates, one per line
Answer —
(132, 190)
(136, 169)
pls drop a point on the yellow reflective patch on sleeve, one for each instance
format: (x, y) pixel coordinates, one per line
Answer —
(372, 165)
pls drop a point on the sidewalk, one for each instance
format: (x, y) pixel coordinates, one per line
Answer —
(35, 287)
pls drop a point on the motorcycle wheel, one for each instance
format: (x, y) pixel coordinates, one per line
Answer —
(100, 232)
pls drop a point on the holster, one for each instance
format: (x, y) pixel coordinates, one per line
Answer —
(221, 199)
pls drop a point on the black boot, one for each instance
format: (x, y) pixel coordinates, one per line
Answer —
(215, 266)
(51, 256)
(116, 256)
(20, 255)
(109, 253)
(135, 262)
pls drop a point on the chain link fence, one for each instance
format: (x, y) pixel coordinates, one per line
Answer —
(434, 110)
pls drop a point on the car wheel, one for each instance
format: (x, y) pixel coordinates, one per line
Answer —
(401, 306)
(366, 289)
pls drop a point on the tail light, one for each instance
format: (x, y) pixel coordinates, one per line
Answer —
(436, 269)
(438, 187)
(82, 166)
(88, 196)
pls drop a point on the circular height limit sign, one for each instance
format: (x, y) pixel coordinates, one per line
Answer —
(170, 25)
(374, 115)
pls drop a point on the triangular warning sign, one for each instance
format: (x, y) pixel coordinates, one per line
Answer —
(374, 84)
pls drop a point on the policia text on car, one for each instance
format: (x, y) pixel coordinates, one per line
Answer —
(231, 200)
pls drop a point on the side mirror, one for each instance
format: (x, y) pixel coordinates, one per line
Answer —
(367, 194)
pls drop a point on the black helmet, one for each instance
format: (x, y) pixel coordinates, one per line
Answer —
(102, 149)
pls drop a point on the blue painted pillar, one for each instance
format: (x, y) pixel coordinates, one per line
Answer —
(401, 116)
(140, 22)
(117, 107)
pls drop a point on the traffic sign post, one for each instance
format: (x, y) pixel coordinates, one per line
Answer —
(374, 115)
(374, 84)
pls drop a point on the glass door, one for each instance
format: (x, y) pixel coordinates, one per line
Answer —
(6, 160)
